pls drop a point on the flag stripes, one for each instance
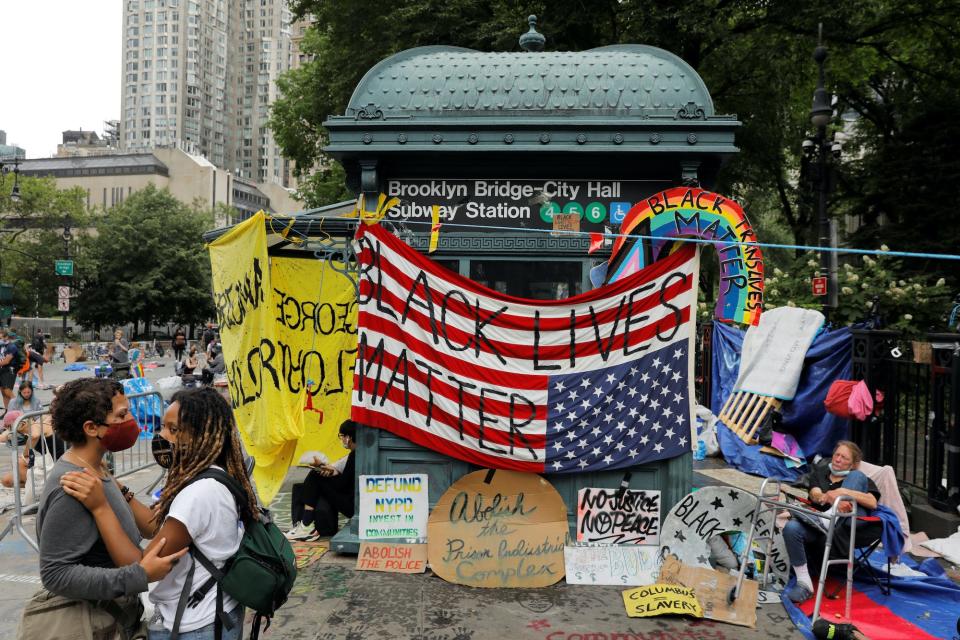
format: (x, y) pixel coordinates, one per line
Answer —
(461, 369)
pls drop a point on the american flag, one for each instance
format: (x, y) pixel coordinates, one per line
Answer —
(620, 416)
(594, 382)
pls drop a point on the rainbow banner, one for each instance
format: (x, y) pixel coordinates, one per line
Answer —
(689, 212)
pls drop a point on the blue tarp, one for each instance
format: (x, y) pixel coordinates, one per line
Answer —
(148, 410)
(930, 601)
(816, 431)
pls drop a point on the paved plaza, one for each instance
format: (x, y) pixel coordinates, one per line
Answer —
(331, 600)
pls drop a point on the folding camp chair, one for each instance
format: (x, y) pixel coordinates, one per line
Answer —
(861, 563)
(769, 503)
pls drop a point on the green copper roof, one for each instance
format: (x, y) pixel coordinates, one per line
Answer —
(620, 80)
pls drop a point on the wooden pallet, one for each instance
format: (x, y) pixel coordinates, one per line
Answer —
(744, 412)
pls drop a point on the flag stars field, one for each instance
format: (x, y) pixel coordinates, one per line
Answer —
(637, 413)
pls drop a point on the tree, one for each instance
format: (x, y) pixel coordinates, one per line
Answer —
(889, 65)
(912, 304)
(724, 43)
(147, 264)
(32, 239)
(42, 206)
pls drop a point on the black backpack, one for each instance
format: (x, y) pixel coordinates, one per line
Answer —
(21, 357)
(259, 576)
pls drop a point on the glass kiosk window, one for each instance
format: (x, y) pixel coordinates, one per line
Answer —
(544, 280)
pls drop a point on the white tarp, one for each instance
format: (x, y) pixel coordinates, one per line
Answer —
(773, 351)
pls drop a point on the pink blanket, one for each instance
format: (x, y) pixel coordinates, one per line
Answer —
(886, 480)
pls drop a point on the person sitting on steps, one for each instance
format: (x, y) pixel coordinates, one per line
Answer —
(329, 489)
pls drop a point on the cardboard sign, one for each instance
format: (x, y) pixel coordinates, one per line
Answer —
(392, 558)
(605, 515)
(712, 589)
(712, 511)
(393, 506)
(565, 222)
(630, 565)
(306, 553)
(507, 530)
(660, 599)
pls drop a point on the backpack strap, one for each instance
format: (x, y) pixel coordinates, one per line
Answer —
(182, 603)
(224, 478)
(216, 575)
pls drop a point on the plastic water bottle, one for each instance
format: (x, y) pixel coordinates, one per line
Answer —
(701, 451)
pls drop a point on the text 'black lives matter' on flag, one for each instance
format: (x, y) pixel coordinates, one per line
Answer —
(599, 381)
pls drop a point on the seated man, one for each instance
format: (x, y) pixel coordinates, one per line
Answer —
(826, 482)
(329, 489)
(216, 367)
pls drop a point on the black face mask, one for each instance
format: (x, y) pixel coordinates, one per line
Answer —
(162, 451)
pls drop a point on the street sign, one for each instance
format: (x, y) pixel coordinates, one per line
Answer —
(63, 304)
(63, 292)
(489, 205)
(820, 286)
(64, 267)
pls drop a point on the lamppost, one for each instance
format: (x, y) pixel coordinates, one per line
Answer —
(5, 169)
(67, 236)
(819, 155)
(6, 290)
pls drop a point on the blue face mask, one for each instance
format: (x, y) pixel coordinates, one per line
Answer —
(843, 473)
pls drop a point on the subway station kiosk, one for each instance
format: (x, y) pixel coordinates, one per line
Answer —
(502, 141)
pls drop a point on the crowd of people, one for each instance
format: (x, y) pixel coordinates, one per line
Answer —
(20, 360)
(100, 544)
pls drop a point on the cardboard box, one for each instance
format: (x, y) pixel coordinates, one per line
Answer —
(712, 589)
(74, 353)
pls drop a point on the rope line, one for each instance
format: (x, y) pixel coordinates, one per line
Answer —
(765, 245)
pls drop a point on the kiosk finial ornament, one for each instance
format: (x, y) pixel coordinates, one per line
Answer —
(532, 40)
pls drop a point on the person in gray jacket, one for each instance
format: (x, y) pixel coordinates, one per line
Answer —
(93, 416)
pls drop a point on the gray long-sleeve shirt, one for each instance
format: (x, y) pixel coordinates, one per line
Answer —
(74, 562)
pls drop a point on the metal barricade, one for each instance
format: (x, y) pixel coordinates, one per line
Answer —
(147, 408)
(31, 484)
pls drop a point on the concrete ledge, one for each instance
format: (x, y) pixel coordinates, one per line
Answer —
(933, 522)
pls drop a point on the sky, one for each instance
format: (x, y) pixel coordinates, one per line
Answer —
(62, 69)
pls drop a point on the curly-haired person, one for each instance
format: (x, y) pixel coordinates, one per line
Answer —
(198, 433)
(87, 583)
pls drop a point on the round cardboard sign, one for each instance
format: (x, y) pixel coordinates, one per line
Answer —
(508, 532)
(714, 510)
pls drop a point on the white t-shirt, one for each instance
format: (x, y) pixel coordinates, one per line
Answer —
(208, 511)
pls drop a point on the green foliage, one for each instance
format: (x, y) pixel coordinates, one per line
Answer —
(32, 240)
(889, 66)
(912, 304)
(147, 264)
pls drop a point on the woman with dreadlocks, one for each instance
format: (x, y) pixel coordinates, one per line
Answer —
(198, 433)
(201, 433)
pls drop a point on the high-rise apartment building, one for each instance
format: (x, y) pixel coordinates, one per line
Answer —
(9, 151)
(200, 75)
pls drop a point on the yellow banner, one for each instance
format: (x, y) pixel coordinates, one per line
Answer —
(315, 315)
(289, 349)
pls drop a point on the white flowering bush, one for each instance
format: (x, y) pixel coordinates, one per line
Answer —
(911, 304)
